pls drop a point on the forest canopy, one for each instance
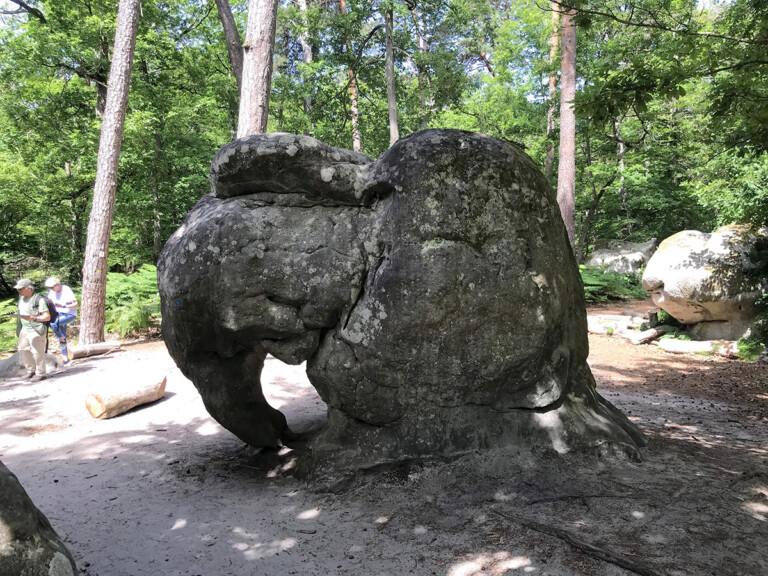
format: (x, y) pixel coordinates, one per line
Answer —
(671, 107)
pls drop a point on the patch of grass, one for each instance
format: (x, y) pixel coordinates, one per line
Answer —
(600, 286)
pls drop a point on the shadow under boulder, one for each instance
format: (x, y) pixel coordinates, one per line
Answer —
(432, 293)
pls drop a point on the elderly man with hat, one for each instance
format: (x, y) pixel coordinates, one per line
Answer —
(66, 305)
(33, 312)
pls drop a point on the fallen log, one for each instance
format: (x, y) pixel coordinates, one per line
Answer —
(94, 349)
(686, 346)
(117, 399)
(647, 335)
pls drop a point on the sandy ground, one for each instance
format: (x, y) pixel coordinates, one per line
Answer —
(164, 490)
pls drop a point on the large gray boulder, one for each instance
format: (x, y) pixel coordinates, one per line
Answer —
(28, 544)
(708, 279)
(432, 293)
(623, 257)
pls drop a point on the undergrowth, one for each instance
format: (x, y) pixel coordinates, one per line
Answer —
(7, 324)
(601, 286)
(132, 302)
(751, 347)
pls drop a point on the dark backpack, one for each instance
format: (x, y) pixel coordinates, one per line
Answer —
(51, 308)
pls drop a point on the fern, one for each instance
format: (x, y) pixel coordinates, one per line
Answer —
(600, 286)
(132, 301)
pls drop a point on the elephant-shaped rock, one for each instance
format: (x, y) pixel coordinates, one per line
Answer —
(432, 294)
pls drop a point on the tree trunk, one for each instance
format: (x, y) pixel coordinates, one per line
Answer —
(566, 173)
(553, 48)
(389, 69)
(234, 46)
(427, 102)
(99, 78)
(257, 67)
(354, 111)
(354, 106)
(156, 229)
(620, 153)
(100, 222)
(306, 48)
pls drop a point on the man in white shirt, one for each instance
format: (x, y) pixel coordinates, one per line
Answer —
(66, 305)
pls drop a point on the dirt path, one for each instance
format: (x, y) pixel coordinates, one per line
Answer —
(164, 490)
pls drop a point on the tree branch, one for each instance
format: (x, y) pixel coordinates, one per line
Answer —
(194, 26)
(655, 23)
(30, 10)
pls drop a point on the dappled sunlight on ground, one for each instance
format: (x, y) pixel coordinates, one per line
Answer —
(163, 490)
(494, 564)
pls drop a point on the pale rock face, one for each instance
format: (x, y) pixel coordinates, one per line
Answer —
(432, 293)
(701, 277)
(28, 544)
(623, 257)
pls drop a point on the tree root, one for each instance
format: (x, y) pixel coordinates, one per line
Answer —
(586, 547)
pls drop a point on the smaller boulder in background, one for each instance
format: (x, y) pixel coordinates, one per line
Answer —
(623, 257)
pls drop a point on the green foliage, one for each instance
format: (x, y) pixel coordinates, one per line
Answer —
(600, 285)
(664, 318)
(750, 348)
(133, 302)
(7, 324)
(677, 335)
(671, 110)
(735, 187)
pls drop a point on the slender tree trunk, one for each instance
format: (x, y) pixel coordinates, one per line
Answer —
(234, 46)
(75, 226)
(389, 69)
(257, 67)
(156, 229)
(306, 48)
(354, 111)
(102, 210)
(353, 97)
(566, 173)
(101, 86)
(620, 152)
(553, 49)
(427, 102)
